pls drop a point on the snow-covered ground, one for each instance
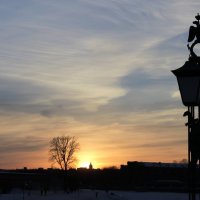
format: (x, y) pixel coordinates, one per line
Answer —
(94, 195)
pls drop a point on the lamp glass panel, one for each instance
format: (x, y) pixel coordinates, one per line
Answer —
(189, 89)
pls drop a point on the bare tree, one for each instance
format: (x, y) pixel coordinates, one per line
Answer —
(62, 150)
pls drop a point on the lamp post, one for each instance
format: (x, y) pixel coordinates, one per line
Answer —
(188, 78)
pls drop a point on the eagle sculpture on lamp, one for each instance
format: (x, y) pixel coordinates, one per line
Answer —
(194, 32)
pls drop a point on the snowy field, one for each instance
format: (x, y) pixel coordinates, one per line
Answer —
(93, 195)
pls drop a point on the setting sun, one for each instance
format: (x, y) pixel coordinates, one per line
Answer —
(85, 164)
(85, 158)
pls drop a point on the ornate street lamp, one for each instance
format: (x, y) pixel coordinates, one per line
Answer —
(188, 77)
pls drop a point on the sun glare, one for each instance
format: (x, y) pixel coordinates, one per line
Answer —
(85, 164)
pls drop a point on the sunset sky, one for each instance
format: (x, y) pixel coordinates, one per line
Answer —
(99, 70)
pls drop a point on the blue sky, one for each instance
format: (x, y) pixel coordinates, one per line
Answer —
(97, 70)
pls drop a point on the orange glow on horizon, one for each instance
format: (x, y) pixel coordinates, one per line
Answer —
(119, 146)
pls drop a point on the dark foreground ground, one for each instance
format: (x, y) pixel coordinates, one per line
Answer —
(86, 194)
